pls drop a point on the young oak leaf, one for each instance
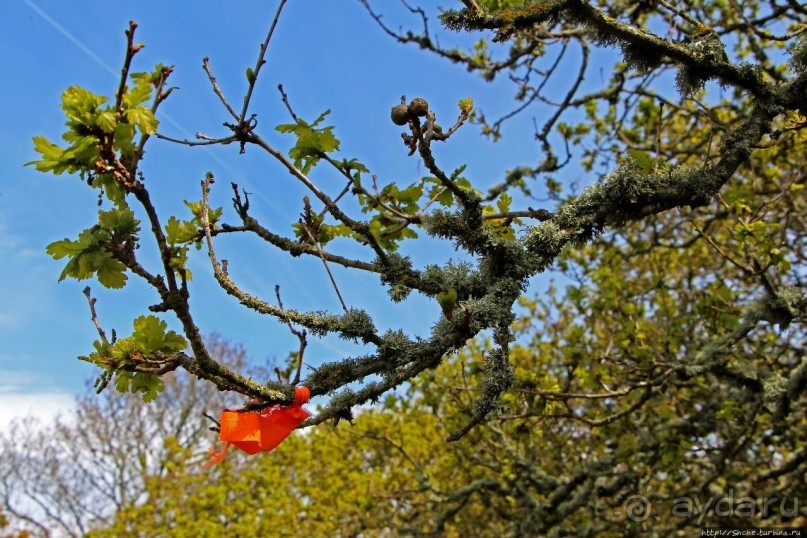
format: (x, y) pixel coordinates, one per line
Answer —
(111, 273)
(143, 118)
(118, 220)
(106, 120)
(179, 232)
(139, 94)
(151, 335)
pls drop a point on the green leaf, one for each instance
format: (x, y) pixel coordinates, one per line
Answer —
(354, 164)
(311, 141)
(123, 141)
(86, 240)
(51, 156)
(47, 149)
(122, 381)
(113, 190)
(179, 261)
(443, 195)
(83, 153)
(149, 385)
(320, 118)
(80, 106)
(65, 247)
(250, 75)
(140, 93)
(722, 291)
(328, 232)
(447, 300)
(111, 272)
(143, 118)
(409, 196)
(466, 105)
(213, 213)
(102, 351)
(446, 197)
(150, 335)
(503, 203)
(118, 220)
(89, 255)
(180, 232)
(286, 128)
(106, 121)
(643, 160)
(150, 78)
(195, 207)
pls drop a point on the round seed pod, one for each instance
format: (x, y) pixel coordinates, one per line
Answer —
(418, 107)
(399, 115)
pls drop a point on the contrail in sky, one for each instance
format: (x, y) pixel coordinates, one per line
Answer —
(62, 30)
(187, 134)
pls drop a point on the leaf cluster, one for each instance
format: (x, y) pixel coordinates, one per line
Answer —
(313, 141)
(150, 342)
(96, 251)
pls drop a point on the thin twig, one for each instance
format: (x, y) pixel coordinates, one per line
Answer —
(549, 395)
(658, 135)
(605, 420)
(316, 322)
(325, 263)
(358, 227)
(462, 195)
(159, 97)
(286, 102)
(723, 253)
(131, 50)
(214, 421)
(95, 320)
(683, 14)
(216, 89)
(205, 142)
(260, 62)
(301, 335)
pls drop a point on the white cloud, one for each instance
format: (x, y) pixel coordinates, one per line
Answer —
(44, 406)
(22, 294)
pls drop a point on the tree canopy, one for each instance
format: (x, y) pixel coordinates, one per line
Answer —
(667, 359)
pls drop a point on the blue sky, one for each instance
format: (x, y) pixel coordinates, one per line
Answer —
(327, 54)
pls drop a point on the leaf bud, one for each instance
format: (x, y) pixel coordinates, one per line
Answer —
(447, 300)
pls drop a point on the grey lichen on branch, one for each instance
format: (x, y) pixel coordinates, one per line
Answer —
(629, 193)
(700, 59)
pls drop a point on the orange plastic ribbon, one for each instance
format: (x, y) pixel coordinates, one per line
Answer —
(254, 431)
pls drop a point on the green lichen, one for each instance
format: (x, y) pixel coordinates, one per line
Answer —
(394, 270)
(643, 59)
(506, 22)
(789, 303)
(773, 388)
(356, 324)
(395, 344)
(498, 376)
(708, 51)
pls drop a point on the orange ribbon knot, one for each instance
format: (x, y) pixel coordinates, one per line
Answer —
(254, 431)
